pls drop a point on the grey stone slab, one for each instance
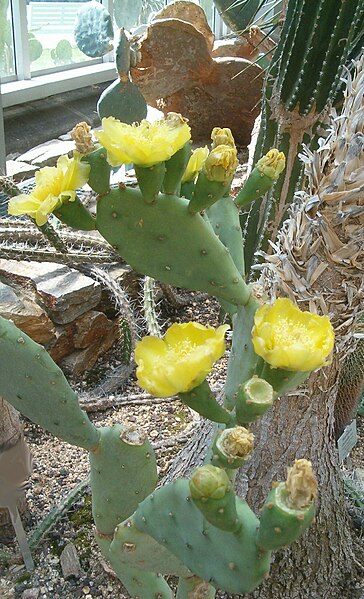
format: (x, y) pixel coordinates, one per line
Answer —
(64, 292)
(46, 154)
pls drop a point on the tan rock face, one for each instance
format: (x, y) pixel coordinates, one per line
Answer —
(177, 72)
(229, 98)
(191, 13)
(26, 314)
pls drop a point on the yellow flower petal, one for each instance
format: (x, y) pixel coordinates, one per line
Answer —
(195, 164)
(53, 186)
(145, 144)
(181, 360)
(289, 338)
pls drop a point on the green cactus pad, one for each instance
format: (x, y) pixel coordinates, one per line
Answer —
(212, 492)
(255, 187)
(134, 548)
(150, 180)
(224, 217)
(167, 243)
(230, 561)
(122, 100)
(75, 215)
(253, 399)
(36, 386)
(202, 400)
(175, 167)
(122, 54)
(138, 583)
(93, 30)
(281, 524)
(194, 587)
(206, 193)
(99, 178)
(123, 473)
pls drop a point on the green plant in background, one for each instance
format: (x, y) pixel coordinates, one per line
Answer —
(94, 35)
(62, 53)
(35, 47)
(196, 528)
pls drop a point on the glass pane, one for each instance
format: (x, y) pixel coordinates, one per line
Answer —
(50, 34)
(133, 13)
(7, 63)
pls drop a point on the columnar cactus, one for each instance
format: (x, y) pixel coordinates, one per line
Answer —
(197, 529)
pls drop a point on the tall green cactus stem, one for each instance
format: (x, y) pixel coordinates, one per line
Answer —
(122, 482)
(36, 386)
(230, 561)
(317, 40)
(202, 400)
(166, 242)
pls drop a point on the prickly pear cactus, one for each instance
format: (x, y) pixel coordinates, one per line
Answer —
(197, 529)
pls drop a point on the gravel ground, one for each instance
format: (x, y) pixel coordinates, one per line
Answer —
(58, 467)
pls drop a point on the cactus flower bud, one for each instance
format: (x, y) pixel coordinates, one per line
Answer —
(222, 137)
(272, 164)
(83, 138)
(145, 144)
(221, 163)
(195, 164)
(209, 482)
(301, 484)
(291, 339)
(54, 185)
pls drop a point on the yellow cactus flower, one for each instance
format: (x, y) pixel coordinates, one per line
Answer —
(53, 186)
(221, 163)
(181, 360)
(145, 144)
(195, 164)
(289, 338)
(222, 137)
(272, 164)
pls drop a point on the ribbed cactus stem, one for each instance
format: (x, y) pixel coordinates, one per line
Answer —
(149, 307)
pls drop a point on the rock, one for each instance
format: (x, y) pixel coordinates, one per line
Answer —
(47, 154)
(177, 73)
(174, 55)
(31, 593)
(19, 170)
(26, 314)
(229, 97)
(190, 12)
(63, 344)
(84, 359)
(92, 327)
(64, 292)
(70, 562)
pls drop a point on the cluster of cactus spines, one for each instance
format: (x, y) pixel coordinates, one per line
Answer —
(317, 41)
